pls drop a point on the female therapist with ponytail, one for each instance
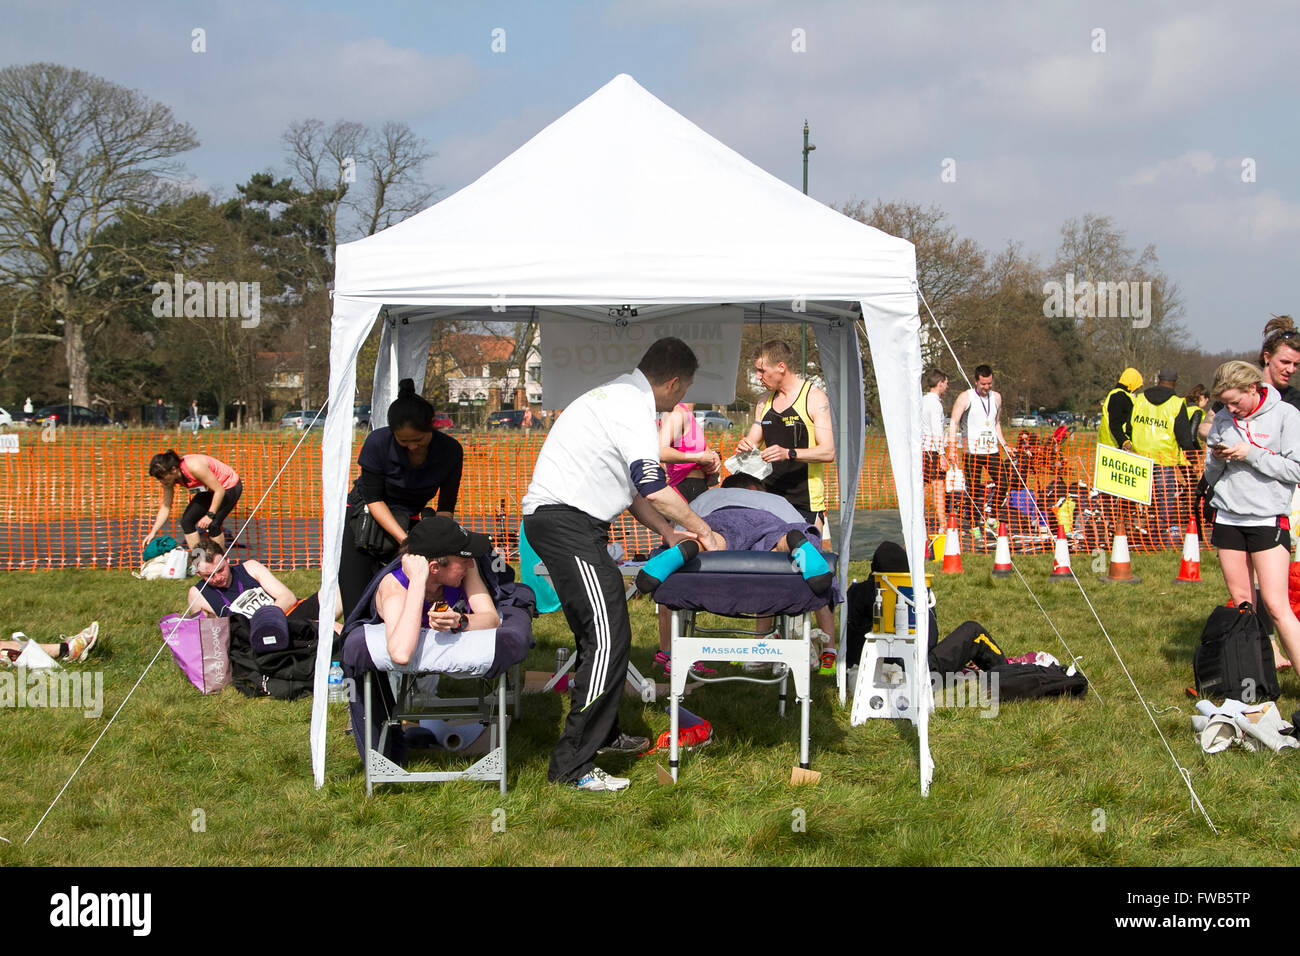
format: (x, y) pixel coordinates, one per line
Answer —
(404, 466)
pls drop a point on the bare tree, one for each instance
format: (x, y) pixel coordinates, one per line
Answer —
(1094, 250)
(324, 163)
(76, 151)
(374, 176)
(396, 189)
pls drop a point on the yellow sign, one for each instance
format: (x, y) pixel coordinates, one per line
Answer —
(1123, 474)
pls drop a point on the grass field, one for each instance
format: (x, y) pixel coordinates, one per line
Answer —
(1076, 782)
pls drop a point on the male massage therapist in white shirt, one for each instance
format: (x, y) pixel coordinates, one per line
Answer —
(602, 458)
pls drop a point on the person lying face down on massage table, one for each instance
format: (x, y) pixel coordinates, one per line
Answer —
(768, 523)
(746, 520)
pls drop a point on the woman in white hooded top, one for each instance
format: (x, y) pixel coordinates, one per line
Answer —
(1252, 471)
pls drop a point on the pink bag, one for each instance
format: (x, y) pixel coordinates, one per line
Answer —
(201, 646)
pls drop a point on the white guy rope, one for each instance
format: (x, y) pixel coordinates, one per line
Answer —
(189, 607)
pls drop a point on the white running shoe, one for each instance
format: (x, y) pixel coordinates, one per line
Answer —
(820, 642)
(597, 781)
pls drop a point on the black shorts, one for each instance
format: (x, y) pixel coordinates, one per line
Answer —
(1253, 538)
(692, 488)
(930, 470)
(201, 504)
(812, 517)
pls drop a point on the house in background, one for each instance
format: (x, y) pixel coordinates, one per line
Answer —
(482, 376)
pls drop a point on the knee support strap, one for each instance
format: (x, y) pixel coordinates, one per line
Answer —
(810, 563)
(664, 563)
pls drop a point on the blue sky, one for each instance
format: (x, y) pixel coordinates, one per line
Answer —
(1152, 131)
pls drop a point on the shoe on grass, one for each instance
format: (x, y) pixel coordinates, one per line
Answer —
(826, 666)
(698, 669)
(818, 641)
(597, 781)
(79, 646)
(625, 744)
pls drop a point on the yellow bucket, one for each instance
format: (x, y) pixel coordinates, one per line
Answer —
(886, 600)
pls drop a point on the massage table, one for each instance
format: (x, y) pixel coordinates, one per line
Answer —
(742, 584)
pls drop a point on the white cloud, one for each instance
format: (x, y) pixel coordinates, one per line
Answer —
(1257, 219)
(1191, 165)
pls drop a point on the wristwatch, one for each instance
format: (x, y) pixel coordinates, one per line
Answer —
(793, 454)
(464, 622)
(211, 516)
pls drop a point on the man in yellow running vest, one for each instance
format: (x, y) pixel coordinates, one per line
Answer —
(793, 426)
(1161, 431)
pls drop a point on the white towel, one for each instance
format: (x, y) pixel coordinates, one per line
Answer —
(34, 658)
(467, 654)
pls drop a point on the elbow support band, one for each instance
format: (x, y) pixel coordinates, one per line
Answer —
(664, 563)
(809, 562)
(648, 476)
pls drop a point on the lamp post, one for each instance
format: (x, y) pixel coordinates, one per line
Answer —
(803, 328)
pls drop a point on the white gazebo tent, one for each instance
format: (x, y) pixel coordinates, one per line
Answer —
(624, 202)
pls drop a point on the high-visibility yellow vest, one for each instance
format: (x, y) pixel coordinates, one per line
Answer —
(1153, 430)
(1104, 436)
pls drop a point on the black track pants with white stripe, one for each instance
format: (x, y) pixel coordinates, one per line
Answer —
(591, 591)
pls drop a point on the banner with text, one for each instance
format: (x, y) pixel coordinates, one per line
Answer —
(579, 354)
(1123, 474)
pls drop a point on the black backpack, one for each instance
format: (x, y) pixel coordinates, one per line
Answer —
(1234, 658)
(284, 675)
(1030, 681)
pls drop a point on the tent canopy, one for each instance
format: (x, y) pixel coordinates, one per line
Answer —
(624, 202)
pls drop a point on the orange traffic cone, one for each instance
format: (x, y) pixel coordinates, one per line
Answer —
(1121, 570)
(1061, 558)
(1002, 556)
(952, 548)
(1189, 571)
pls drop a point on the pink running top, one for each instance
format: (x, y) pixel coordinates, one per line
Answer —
(224, 474)
(691, 441)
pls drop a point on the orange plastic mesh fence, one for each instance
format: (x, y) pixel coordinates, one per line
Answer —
(85, 498)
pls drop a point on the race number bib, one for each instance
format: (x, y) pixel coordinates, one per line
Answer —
(986, 442)
(250, 601)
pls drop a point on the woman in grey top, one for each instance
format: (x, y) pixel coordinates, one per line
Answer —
(1252, 470)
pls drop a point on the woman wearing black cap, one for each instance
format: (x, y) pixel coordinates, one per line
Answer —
(404, 466)
(437, 587)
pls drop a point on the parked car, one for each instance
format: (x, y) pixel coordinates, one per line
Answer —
(303, 418)
(5, 418)
(712, 420)
(192, 424)
(1027, 420)
(442, 421)
(506, 418)
(80, 415)
(361, 416)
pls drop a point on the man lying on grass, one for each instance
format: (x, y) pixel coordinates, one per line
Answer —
(243, 587)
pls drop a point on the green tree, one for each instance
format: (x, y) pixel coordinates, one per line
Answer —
(76, 151)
